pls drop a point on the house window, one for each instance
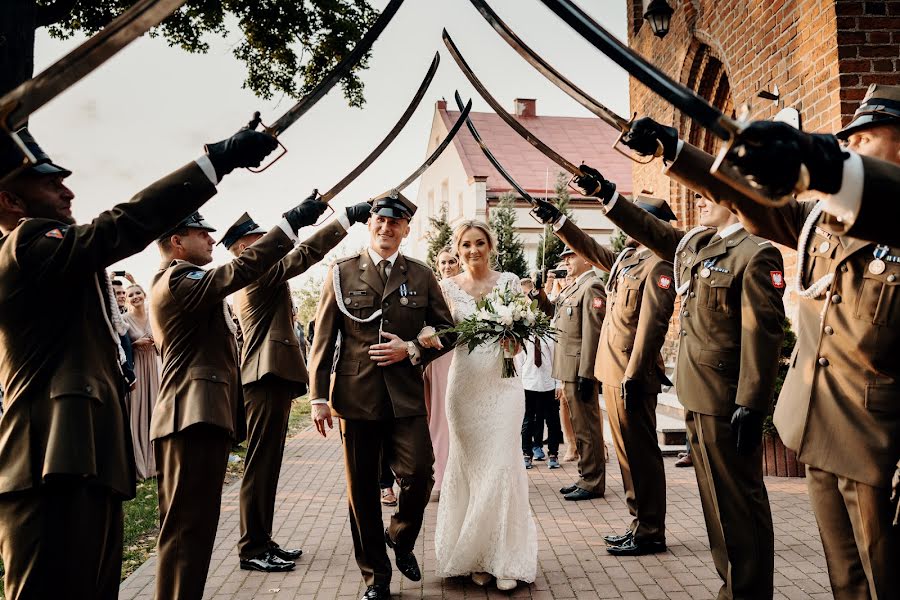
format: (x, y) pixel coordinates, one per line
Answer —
(445, 194)
(459, 204)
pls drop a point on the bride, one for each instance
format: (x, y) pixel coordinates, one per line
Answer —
(484, 526)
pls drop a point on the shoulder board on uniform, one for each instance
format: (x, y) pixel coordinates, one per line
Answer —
(344, 259)
(417, 261)
(759, 241)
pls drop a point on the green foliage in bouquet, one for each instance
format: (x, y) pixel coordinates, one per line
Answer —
(505, 317)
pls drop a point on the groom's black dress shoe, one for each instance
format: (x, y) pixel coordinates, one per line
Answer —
(285, 554)
(568, 489)
(406, 561)
(266, 562)
(580, 494)
(379, 591)
(616, 540)
(635, 547)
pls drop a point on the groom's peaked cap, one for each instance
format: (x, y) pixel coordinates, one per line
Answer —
(393, 204)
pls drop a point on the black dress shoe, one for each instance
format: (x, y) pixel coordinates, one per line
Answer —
(406, 561)
(267, 562)
(285, 554)
(635, 547)
(580, 494)
(568, 489)
(616, 540)
(379, 591)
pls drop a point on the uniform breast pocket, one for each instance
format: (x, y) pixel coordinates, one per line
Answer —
(879, 296)
(630, 291)
(714, 291)
(820, 254)
(360, 307)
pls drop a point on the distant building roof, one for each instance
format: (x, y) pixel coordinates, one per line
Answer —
(578, 139)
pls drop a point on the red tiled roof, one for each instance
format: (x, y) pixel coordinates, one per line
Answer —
(578, 139)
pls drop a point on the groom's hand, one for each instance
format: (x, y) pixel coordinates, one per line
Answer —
(321, 414)
(387, 353)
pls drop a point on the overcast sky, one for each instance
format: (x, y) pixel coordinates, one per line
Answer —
(151, 108)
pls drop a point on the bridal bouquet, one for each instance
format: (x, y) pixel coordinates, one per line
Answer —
(507, 318)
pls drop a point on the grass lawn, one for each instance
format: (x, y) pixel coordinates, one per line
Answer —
(142, 516)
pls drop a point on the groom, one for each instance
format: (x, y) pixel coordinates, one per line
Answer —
(379, 300)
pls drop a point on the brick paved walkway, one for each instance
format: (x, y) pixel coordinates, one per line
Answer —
(312, 514)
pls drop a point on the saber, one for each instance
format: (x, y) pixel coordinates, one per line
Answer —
(18, 104)
(509, 119)
(324, 86)
(338, 73)
(678, 95)
(404, 118)
(463, 117)
(496, 163)
(561, 81)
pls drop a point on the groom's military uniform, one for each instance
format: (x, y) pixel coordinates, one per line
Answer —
(578, 319)
(729, 350)
(640, 301)
(382, 409)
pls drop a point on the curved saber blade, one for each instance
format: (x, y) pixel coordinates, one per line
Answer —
(509, 119)
(441, 147)
(338, 72)
(676, 94)
(18, 104)
(545, 69)
(491, 158)
(637, 66)
(368, 160)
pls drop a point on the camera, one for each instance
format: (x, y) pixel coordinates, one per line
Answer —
(559, 273)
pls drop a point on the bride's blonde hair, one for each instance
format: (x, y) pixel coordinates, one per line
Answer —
(465, 226)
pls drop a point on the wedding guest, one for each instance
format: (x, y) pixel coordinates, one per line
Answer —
(534, 366)
(436, 385)
(142, 398)
(128, 366)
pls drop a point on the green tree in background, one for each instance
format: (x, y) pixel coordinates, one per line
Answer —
(510, 250)
(549, 246)
(286, 45)
(438, 236)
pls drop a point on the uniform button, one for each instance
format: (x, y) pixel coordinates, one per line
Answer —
(347, 300)
(685, 313)
(843, 268)
(891, 277)
(829, 330)
(693, 294)
(187, 184)
(836, 298)
(214, 377)
(285, 340)
(823, 361)
(721, 365)
(89, 388)
(387, 320)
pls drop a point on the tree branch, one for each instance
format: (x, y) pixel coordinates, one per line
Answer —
(54, 13)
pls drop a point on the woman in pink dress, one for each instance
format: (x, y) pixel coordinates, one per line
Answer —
(142, 398)
(436, 385)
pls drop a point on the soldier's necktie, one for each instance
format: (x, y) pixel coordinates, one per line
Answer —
(383, 268)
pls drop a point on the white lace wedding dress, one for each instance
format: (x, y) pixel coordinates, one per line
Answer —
(484, 521)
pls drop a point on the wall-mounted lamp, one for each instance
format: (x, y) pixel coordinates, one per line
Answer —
(659, 14)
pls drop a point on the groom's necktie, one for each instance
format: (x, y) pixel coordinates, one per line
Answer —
(384, 270)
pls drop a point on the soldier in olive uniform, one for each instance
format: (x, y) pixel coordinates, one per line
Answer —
(273, 372)
(379, 301)
(640, 300)
(65, 445)
(839, 404)
(731, 284)
(199, 412)
(579, 317)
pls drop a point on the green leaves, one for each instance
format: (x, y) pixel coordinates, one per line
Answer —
(287, 45)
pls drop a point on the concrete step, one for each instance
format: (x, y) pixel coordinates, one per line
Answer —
(667, 403)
